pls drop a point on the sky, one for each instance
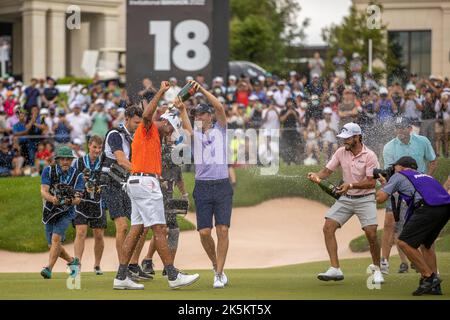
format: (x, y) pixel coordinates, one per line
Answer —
(322, 13)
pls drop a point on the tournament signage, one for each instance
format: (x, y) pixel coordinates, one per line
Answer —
(176, 38)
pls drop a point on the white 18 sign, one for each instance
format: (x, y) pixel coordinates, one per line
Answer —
(190, 52)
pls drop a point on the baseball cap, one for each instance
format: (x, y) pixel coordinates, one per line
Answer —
(100, 101)
(174, 120)
(402, 122)
(261, 78)
(64, 152)
(327, 110)
(62, 112)
(77, 141)
(315, 75)
(410, 87)
(232, 77)
(383, 90)
(253, 97)
(44, 111)
(172, 79)
(292, 73)
(407, 162)
(189, 78)
(203, 108)
(349, 130)
(355, 55)
(281, 83)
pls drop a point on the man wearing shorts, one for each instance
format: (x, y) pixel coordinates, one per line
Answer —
(405, 144)
(145, 193)
(213, 193)
(117, 150)
(90, 210)
(428, 212)
(357, 197)
(59, 213)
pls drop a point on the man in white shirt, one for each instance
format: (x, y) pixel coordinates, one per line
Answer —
(80, 122)
(172, 92)
(281, 95)
(328, 129)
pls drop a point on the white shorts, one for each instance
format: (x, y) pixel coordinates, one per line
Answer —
(147, 205)
(365, 208)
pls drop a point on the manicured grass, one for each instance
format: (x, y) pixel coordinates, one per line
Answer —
(20, 201)
(290, 282)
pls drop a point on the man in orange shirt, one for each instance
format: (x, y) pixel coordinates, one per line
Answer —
(145, 192)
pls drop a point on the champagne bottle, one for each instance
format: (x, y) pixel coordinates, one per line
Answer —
(185, 93)
(328, 187)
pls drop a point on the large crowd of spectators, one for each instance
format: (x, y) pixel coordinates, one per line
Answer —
(309, 109)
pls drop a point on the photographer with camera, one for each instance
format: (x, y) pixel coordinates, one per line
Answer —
(357, 197)
(61, 187)
(117, 166)
(427, 214)
(405, 144)
(171, 175)
(90, 210)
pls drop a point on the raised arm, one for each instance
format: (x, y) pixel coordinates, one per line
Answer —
(218, 107)
(183, 115)
(150, 107)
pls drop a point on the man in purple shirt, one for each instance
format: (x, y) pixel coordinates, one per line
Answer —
(213, 193)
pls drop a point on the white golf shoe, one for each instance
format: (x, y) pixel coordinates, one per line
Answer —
(377, 277)
(219, 282)
(183, 280)
(332, 273)
(384, 266)
(127, 284)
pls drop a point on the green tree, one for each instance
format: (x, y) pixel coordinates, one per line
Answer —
(261, 31)
(353, 35)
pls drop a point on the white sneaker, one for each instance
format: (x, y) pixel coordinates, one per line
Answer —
(331, 274)
(384, 266)
(127, 284)
(183, 280)
(218, 281)
(224, 277)
(377, 277)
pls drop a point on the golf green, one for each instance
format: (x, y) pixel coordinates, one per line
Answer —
(289, 282)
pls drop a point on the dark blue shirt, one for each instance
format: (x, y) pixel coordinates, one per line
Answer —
(32, 95)
(18, 128)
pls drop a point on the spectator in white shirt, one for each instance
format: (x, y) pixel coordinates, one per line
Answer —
(281, 95)
(172, 92)
(80, 122)
(328, 129)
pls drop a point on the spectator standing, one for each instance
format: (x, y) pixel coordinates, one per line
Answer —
(442, 127)
(172, 92)
(348, 110)
(100, 119)
(340, 63)
(32, 94)
(316, 65)
(62, 129)
(290, 119)
(282, 94)
(328, 129)
(79, 122)
(50, 94)
(356, 68)
(411, 108)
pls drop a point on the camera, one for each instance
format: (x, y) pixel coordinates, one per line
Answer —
(65, 194)
(387, 173)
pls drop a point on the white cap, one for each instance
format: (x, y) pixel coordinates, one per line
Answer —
(77, 141)
(75, 104)
(383, 90)
(355, 55)
(171, 79)
(100, 101)
(349, 130)
(174, 120)
(189, 78)
(303, 105)
(314, 97)
(253, 97)
(327, 110)
(261, 78)
(232, 77)
(44, 111)
(315, 75)
(281, 83)
(410, 87)
(218, 79)
(293, 73)
(269, 93)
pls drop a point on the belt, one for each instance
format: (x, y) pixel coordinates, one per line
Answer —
(358, 196)
(143, 174)
(212, 182)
